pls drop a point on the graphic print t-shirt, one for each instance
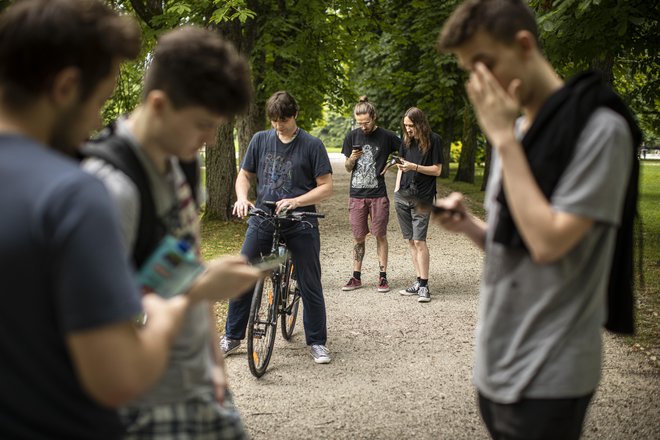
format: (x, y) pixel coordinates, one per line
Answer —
(284, 170)
(426, 186)
(366, 181)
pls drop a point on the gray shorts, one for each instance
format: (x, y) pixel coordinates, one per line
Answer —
(413, 224)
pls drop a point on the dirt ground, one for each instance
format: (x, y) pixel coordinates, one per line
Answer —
(401, 369)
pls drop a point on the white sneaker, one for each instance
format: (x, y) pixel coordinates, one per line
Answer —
(424, 294)
(321, 354)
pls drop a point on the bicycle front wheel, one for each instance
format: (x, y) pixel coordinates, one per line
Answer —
(262, 325)
(291, 300)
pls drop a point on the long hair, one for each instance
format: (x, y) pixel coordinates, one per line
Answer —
(422, 126)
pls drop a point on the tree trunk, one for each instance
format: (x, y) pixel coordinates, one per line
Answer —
(489, 153)
(221, 174)
(247, 125)
(465, 171)
(448, 133)
(604, 66)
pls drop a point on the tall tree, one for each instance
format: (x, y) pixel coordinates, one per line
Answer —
(397, 67)
(465, 172)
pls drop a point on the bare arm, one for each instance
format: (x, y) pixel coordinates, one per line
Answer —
(219, 370)
(118, 362)
(352, 160)
(243, 183)
(549, 234)
(430, 170)
(322, 191)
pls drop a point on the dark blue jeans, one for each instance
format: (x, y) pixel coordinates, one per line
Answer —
(304, 243)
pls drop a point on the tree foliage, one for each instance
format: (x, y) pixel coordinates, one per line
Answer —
(620, 35)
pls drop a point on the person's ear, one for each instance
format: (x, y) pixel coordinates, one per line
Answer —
(526, 42)
(66, 88)
(157, 101)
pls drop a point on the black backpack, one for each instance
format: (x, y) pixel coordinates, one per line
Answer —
(117, 151)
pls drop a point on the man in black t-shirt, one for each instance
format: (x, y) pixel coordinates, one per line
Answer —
(421, 157)
(367, 149)
(292, 168)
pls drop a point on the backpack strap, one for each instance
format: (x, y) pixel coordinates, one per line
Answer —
(117, 151)
(191, 172)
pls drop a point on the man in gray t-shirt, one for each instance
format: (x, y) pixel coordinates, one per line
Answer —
(554, 202)
(181, 110)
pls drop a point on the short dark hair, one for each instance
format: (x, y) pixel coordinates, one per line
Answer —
(502, 19)
(197, 67)
(364, 107)
(281, 105)
(40, 38)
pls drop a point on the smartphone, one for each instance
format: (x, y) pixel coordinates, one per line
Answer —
(396, 159)
(357, 147)
(423, 205)
(269, 263)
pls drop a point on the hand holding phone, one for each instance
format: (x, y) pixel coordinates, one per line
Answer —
(423, 205)
(356, 152)
(269, 263)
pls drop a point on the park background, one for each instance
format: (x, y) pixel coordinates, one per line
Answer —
(329, 52)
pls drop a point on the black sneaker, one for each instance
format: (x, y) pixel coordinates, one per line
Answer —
(229, 346)
(424, 294)
(410, 291)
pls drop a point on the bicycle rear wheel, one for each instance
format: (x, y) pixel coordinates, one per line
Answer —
(262, 326)
(291, 303)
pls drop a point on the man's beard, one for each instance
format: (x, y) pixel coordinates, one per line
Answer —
(62, 138)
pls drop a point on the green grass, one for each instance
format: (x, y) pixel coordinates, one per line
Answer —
(333, 149)
(221, 238)
(648, 295)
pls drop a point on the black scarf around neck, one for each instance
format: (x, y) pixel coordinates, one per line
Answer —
(549, 146)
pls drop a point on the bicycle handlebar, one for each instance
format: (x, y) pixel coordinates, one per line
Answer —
(293, 215)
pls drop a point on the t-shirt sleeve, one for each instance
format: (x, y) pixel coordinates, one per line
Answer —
(395, 144)
(347, 148)
(436, 149)
(93, 280)
(250, 161)
(125, 196)
(321, 160)
(594, 183)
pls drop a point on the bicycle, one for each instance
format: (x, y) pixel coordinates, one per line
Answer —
(274, 296)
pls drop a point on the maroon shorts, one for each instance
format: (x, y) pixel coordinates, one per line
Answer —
(359, 211)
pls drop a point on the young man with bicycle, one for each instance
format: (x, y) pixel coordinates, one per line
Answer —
(291, 168)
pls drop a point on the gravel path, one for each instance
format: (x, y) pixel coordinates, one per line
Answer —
(402, 369)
